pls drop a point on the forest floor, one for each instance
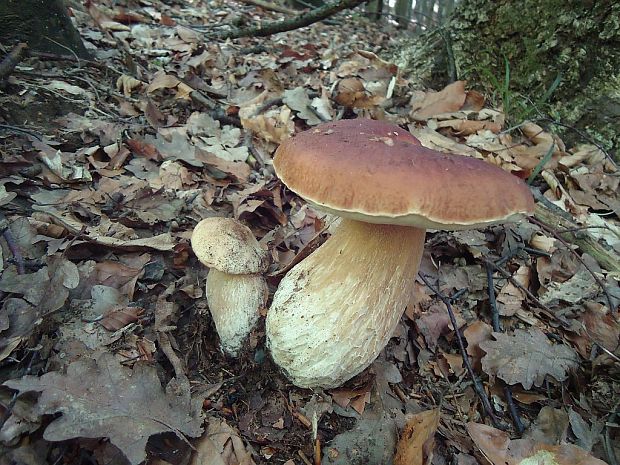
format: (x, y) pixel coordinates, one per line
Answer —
(105, 333)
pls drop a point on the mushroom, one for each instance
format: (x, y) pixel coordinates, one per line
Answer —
(236, 289)
(335, 311)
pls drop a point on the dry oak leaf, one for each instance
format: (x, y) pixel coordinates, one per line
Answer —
(101, 398)
(499, 449)
(428, 104)
(416, 443)
(527, 357)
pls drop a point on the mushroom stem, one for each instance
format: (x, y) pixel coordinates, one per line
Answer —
(335, 311)
(235, 301)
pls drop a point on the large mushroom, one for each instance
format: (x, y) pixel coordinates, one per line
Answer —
(236, 288)
(336, 310)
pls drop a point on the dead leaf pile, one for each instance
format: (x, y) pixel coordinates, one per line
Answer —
(104, 329)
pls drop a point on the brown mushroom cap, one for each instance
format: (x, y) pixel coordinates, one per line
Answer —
(229, 246)
(374, 172)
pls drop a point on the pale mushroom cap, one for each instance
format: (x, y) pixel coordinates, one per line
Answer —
(229, 246)
(352, 170)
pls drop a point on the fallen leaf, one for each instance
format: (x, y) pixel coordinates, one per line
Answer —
(510, 296)
(121, 317)
(450, 98)
(587, 436)
(550, 426)
(475, 333)
(101, 398)
(297, 100)
(499, 449)
(416, 443)
(220, 445)
(527, 357)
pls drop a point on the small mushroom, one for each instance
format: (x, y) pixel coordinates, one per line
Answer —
(336, 310)
(236, 289)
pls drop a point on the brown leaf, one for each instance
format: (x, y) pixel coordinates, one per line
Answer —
(121, 317)
(601, 326)
(101, 398)
(220, 445)
(417, 441)
(118, 276)
(550, 426)
(475, 333)
(527, 357)
(500, 450)
(432, 324)
(144, 149)
(450, 99)
(511, 297)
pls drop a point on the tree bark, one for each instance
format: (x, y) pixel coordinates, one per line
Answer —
(403, 12)
(541, 40)
(43, 24)
(374, 8)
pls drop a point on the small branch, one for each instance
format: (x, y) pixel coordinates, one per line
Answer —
(512, 408)
(607, 441)
(492, 300)
(572, 233)
(546, 310)
(8, 64)
(559, 237)
(12, 244)
(271, 6)
(302, 20)
(486, 403)
(7, 127)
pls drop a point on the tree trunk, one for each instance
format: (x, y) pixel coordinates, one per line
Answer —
(403, 12)
(43, 24)
(539, 41)
(374, 8)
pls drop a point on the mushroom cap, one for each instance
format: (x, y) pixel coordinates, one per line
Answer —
(376, 172)
(228, 246)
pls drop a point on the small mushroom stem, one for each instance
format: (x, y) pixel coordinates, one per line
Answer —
(235, 301)
(335, 311)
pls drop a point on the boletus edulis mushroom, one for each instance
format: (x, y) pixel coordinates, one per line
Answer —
(236, 288)
(335, 311)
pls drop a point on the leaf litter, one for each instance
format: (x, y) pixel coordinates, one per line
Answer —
(170, 128)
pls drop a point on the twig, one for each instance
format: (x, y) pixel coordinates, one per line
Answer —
(8, 127)
(512, 408)
(607, 259)
(75, 55)
(247, 141)
(267, 104)
(12, 244)
(492, 300)
(317, 451)
(272, 6)
(9, 408)
(302, 20)
(8, 64)
(304, 457)
(559, 237)
(608, 445)
(486, 404)
(527, 292)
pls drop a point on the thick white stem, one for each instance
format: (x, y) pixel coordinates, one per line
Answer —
(335, 311)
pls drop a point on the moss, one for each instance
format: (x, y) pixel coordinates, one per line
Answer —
(541, 39)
